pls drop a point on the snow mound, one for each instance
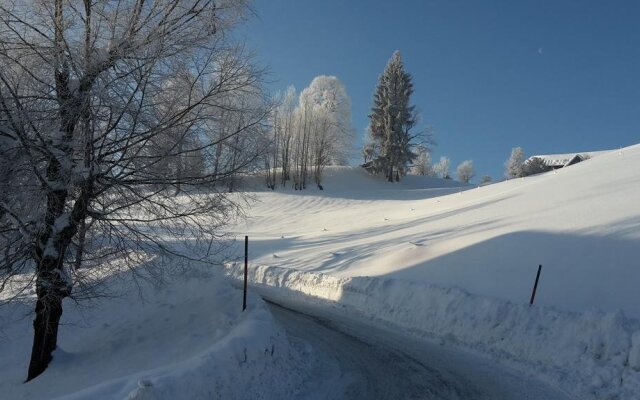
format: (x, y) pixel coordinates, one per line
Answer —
(185, 340)
(543, 341)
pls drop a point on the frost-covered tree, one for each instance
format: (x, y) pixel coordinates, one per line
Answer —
(178, 149)
(281, 138)
(103, 106)
(514, 165)
(422, 164)
(392, 118)
(441, 169)
(465, 171)
(485, 180)
(326, 109)
(533, 166)
(314, 133)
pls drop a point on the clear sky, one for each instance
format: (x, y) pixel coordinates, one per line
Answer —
(551, 76)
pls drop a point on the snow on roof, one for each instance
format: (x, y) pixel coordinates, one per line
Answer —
(560, 160)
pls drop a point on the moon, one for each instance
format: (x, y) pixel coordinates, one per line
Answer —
(539, 50)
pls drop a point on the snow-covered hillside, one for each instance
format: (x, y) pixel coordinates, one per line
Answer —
(428, 258)
(581, 223)
(458, 264)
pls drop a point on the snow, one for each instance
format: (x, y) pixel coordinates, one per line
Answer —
(186, 340)
(580, 223)
(543, 339)
(433, 259)
(457, 264)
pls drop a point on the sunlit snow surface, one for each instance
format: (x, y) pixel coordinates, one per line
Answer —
(457, 264)
(581, 223)
(431, 259)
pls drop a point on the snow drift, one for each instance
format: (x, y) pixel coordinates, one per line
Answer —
(543, 341)
(187, 340)
(457, 264)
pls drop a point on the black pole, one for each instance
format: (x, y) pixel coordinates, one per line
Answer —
(246, 271)
(535, 286)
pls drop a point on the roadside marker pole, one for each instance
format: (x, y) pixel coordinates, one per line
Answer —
(535, 286)
(246, 271)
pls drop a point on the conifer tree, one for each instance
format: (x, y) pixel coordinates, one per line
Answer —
(514, 166)
(392, 118)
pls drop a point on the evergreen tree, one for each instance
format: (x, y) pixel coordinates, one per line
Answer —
(392, 118)
(533, 166)
(513, 167)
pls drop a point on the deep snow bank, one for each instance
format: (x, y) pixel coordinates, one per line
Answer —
(187, 340)
(593, 354)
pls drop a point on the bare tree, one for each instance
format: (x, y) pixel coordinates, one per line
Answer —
(465, 171)
(422, 165)
(97, 101)
(278, 155)
(309, 132)
(287, 113)
(328, 108)
(442, 168)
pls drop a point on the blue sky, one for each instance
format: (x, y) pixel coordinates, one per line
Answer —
(551, 76)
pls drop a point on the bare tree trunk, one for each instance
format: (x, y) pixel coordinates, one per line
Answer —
(179, 167)
(51, 290)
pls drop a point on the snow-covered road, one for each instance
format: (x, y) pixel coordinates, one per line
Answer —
(360, 361)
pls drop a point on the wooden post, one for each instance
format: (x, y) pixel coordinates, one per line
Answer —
(535, 286)
(246, 271)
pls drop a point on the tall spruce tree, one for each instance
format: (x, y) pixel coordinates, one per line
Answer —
(392, 118)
